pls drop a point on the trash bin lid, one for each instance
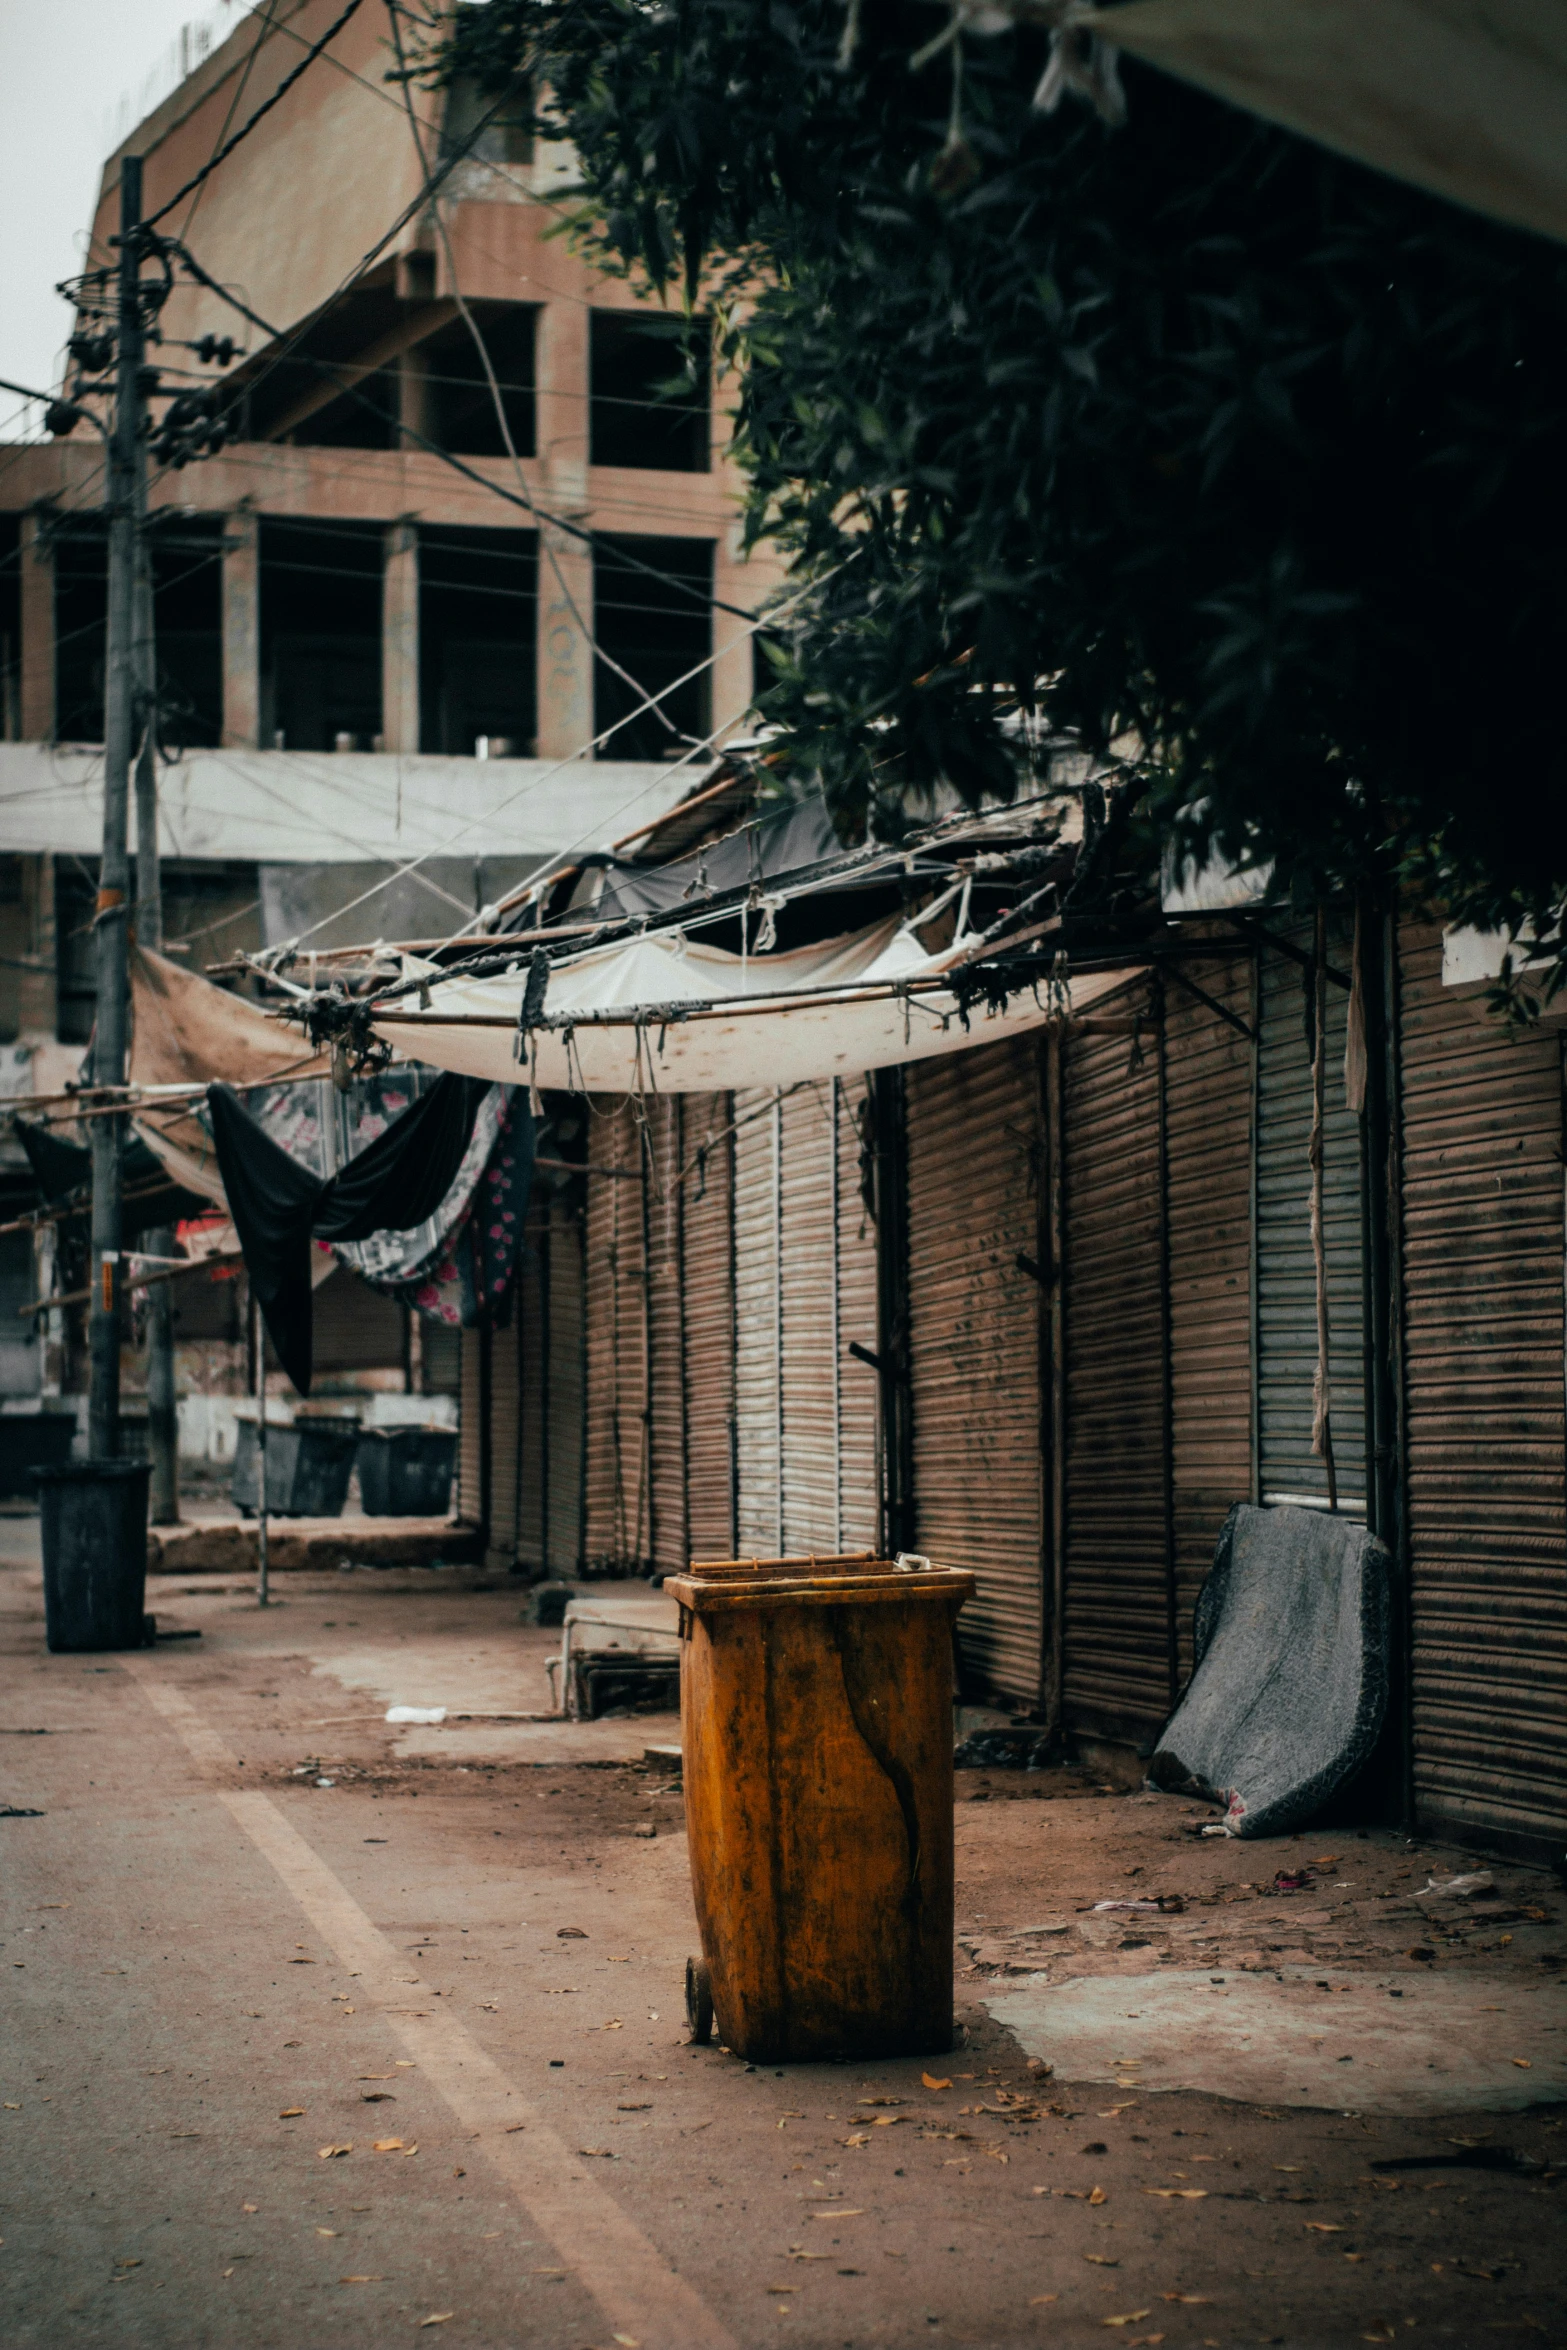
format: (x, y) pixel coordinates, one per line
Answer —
(855, 1581)
(90, 1472)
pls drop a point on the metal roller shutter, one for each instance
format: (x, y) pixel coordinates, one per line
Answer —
(505, 1443)
(707, 1206)
(973, 1124)
(567, 1351)
(549, 1303)
(530, 1313)
(1482, 1125)
(472, 1446)
(758, 1325)
(859, 1403)
(1288, 1470)
(616, 1530)
(1208, 1116)
(663, 1224)
(808, 1314)
(1117, 1632)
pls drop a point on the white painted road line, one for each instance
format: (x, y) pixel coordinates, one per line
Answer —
(622, 2269)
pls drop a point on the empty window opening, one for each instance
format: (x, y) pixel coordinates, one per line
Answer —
(478, 606)
(320, 635)
(363, 417)
(650, 393)
(10, 628)
(457, 400)
(187, 579)
(490, 126)
(657, 628)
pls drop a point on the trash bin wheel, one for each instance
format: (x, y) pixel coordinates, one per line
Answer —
(699, 2001)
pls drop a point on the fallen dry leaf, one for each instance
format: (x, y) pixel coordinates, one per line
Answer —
(571, 1934)
(932, 2083)
(376, 2097)
(291, 2113)
(1324, 2227)
(1098, 2196)
(1179, 2194)
(844, 2211)
(437, 2317)
(388, 2146)
(325, 2153)
(326, 2231)
(1040, 2299)
(361, 2280)
(1131, 2318)
(628, 2341)
(1524, 2063)
(250, 2207)
(1190, 2300)
(1101, 2260)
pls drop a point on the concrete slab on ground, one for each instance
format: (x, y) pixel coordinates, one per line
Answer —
(1361, 2043)
(229, 1545)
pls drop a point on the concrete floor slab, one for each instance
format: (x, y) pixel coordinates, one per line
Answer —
(1364, 2043)
(621, 1739)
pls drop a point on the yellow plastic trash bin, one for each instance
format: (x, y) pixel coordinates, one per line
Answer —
(816, 1721)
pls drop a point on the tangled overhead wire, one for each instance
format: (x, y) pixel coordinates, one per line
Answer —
(336, 1021)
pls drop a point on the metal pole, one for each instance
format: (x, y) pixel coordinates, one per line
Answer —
(258, 1337)
(162, 1403)
(127, 460)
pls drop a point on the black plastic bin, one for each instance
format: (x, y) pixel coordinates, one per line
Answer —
(94, 1517)
(308, 1468)
(407, 1472)
(30, 1441)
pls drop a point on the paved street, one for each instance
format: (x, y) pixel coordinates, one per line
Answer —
(295, 2064)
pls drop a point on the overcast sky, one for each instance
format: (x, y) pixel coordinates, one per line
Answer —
(67, 68)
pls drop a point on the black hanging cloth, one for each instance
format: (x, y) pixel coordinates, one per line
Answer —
(278, 1205)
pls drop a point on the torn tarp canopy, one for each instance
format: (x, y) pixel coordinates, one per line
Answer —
(665, 1013)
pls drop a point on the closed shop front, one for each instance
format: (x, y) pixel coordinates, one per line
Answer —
(1482, 1129)
(1287, 1331)
(551, 1345)
(617, 1531)
(805, 1286)
(472, 1428)
(1117, 1529)
(973, 1352)
(505, 1444)
(1209, 1069)
(686, 1196)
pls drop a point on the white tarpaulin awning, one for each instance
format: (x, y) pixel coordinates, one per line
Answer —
(1465, 97)
(662, 1014)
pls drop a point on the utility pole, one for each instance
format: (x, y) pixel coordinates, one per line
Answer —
(127, 499)
(163, 1435)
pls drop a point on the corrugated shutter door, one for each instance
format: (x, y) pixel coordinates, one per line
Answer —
(668, 1544)
(1116, 1631)
(807, 1253)
(1483, 1291)
(549, 1302)
(567, 1347)
(470, 1428)
(1208, 1092)
(505, 1439)
(973, 1151)
(1288, 1470)
(757, 1324)
(616, 1476)
(709, 1326)
(859, 1401)
(530, 1314)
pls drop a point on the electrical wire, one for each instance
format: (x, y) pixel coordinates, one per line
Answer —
(284, 86)
(267, 28)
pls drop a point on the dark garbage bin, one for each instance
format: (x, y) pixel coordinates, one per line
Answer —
(308, 1468)
(29, 1441)
(407, 1472)
(94, 1516)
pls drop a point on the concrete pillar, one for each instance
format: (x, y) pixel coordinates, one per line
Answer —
(37, 630)
(400, 639)
(565, 623)
(242, 632)
(732, 639)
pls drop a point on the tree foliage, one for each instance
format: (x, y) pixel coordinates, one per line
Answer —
(1184, 435)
